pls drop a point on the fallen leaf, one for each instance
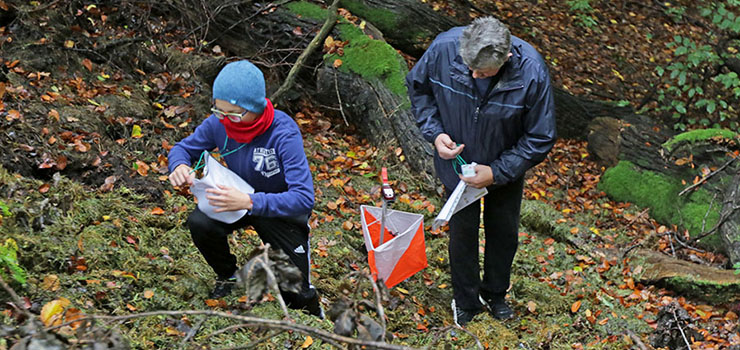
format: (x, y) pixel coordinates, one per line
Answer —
(142, 168)
(307, 342)
(148, 294)
(88, 64)
(13, 115)
(44, 188)
(574, 308)
(69, 44)
(157, 211)
(51, 312)
(108, 185)
(532, 306)
(54, 114)
(136, 132)
(51, 283)
(348, 225)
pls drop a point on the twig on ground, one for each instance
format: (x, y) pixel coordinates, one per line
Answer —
(17, 301)
(704, 220)
(249, 321)
(636, 340)
(716, 226)
(331, 19)
(193, 331)
(678, 324)
(339, 98)
(378, 298)
(272, 280)
(705, 178)
(624, 255)
(638, 216)
(252, 344)
(675, 235)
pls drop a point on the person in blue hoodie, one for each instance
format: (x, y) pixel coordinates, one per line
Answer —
(481, 94)
(264, 147)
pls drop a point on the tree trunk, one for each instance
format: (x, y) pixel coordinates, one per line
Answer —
(379, 114)
(408, 25)
(730, 230)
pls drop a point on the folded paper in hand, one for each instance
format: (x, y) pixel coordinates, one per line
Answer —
(460, 198)
(215, 174)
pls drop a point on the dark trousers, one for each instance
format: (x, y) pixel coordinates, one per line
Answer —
(211, 238)
(501, 207)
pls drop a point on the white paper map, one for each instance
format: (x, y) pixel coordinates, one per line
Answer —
(215, 174)
(460, 198)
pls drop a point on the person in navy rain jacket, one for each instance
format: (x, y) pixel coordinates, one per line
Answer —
(263, 146)
(480, 93)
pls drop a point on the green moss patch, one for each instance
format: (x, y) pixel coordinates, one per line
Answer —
(699, 135)
(307, 9)
(363, 55)
(371, 59)
(626, 183)
(383, 19)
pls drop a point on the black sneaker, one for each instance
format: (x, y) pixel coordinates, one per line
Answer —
(314, 307)
(498, 307)
(222, 288)
(463, 316)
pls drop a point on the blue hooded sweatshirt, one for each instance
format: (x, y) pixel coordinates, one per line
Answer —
(274, 163)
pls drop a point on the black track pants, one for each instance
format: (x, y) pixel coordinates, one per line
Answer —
(210, 236)
(501, 223)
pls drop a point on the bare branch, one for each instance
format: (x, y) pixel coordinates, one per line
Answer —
(678, 324)
(248, 321)
(705, 178)
(16, 299)
(331, 19)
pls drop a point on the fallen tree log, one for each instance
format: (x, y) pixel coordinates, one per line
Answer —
(688, 179)
(707, 283)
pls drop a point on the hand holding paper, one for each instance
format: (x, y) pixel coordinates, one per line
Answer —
(483, 177)
(228, 199)
(217, 177)
(461, 197)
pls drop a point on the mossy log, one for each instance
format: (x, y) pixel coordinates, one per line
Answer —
(408, 25)
(686, 278)
(653, 167)
(708, 283)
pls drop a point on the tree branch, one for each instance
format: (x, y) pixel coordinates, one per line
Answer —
(249, 322)
(331, 19)
(705, 178)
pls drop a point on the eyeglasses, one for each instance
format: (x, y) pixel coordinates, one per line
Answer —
(234, 117)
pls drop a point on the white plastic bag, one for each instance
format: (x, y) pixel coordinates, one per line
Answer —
(215, 174)
(461, 197)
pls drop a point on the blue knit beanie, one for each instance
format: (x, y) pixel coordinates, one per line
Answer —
(241, 83)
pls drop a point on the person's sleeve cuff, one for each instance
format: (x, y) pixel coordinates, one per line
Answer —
(258, 203)
(172, 166)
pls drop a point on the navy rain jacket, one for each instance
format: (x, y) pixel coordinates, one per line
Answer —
(512, 132)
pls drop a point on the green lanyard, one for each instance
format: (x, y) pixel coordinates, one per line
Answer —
(458, 161)
(202, 155)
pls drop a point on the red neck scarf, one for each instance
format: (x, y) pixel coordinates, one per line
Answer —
(246, 132)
